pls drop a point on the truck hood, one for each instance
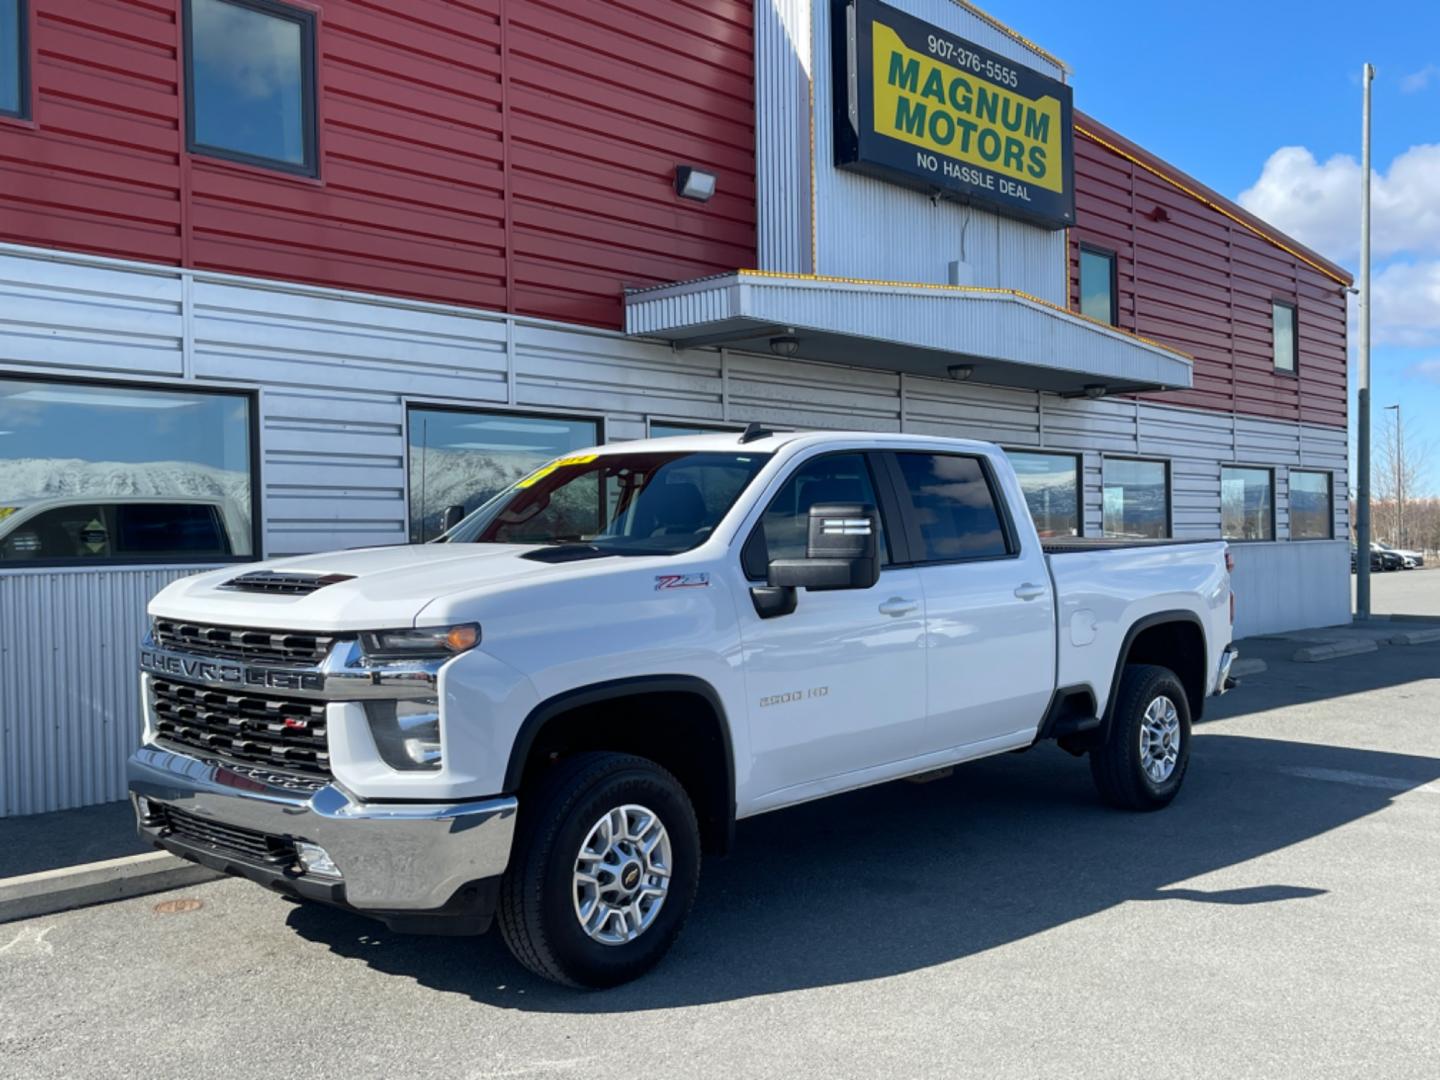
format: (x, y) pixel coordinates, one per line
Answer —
(386, 587)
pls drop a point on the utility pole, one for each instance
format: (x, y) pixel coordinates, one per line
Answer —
(1396, 450)
(1362, 450)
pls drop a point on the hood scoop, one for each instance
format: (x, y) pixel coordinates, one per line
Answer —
(282, 584)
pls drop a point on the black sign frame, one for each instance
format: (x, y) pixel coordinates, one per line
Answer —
(871, 153)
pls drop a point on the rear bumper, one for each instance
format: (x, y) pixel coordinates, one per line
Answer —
(402, 862)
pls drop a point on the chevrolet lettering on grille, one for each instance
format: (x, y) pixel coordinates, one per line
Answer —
(226, 673)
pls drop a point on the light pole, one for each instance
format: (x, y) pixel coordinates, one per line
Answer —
(1399, 452)
(1362, 449)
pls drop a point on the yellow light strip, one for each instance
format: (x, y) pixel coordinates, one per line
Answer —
(826, 279)
(1212, 205)
(1013, 35)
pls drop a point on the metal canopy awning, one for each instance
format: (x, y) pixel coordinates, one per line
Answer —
(1006, 338)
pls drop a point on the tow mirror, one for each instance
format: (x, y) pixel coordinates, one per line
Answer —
(842, 551)
(452, 516)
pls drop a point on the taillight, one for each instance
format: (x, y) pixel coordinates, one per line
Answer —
(1229, 561)
(1232, 607)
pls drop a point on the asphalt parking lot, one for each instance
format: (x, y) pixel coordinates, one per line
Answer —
(1405, 592)
(1280, 919)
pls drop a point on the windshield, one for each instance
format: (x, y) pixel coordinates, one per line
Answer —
(655, 503)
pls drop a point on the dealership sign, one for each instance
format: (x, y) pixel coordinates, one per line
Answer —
(919, 106)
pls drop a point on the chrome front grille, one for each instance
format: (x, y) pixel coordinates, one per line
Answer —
(285, 734)
(241, 643)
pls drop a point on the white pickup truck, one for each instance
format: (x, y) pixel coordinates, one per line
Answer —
(548, 714)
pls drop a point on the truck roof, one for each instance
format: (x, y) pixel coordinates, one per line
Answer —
(770, 442)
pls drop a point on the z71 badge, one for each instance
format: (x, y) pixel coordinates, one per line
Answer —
(681, 581)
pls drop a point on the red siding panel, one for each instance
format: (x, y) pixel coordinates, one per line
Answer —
(422, 106)
(1203, 281)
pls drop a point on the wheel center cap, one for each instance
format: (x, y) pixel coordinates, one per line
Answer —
(630, 877)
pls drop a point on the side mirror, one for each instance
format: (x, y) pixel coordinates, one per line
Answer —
(452, 516)
(842, 551)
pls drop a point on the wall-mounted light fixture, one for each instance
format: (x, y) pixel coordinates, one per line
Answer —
(786, 345)
(961, 372)
(1095, 390)
(693, 183)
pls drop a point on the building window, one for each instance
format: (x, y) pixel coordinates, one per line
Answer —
(460, 458)
(1247, 503)
(1097, 286)
(97, 473)
(954, 507)
(1136, 499)
(14, 60)
(1286, 340)
(1312, 507)
(664, 429)
(1051, 483)
(250, 83)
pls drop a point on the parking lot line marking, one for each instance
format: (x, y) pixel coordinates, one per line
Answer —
(1358, 779)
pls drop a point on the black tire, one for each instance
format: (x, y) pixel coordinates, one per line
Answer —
(537, 913)
(1116, 764)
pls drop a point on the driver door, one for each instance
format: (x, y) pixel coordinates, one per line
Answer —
(836, 687)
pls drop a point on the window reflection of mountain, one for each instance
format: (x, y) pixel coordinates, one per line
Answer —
(31, 479)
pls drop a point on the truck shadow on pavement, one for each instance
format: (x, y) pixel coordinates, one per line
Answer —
(902, 877)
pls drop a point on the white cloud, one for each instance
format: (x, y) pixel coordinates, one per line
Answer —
(1425, 369)
(1407, 305)
(1420, 80)
(257, 54)
(1319, 203)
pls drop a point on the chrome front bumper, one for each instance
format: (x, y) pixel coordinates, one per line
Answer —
(391, 857)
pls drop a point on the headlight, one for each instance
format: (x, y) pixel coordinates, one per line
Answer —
(424, 643)
(407, 733)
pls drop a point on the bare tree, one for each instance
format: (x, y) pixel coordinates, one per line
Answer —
(1400, 480)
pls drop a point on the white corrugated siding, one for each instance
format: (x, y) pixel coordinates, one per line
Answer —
(335, 372)
(69, 690)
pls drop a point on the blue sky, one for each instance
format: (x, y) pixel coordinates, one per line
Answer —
(1261, 101)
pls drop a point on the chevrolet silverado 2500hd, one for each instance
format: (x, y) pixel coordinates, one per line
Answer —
(549, 714)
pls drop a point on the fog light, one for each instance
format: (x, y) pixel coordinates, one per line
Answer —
(145, 811)
(314, 859)
(407, 733)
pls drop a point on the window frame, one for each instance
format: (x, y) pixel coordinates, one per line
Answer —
(308, 20)
(412, 404)
(1329, 476)
(1292, 305)
(24, 112)
(887, 505)
(1114, 260)
(1079, 460)
(1165, 464)
(252, 430)
(914, 538)
(1274, 520)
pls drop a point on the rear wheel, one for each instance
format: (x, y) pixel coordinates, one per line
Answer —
(604, 872)
(1141, 764)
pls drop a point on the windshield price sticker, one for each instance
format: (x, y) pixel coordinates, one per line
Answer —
(559, 463)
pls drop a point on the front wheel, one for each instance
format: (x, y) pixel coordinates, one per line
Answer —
(604, 872)
(1141, 764)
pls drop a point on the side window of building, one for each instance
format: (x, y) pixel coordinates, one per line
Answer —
(96, 473)
(250, 83)
(1098, 286)
(462, 457)
(1285, 335)
(1312, 507)
(1051, 483)
(14, 59)
(784, 528)
(1247, 503)
(1136, 499)
(954, 507)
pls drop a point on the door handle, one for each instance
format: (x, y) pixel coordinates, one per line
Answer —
(1030, 592)
(897, 606)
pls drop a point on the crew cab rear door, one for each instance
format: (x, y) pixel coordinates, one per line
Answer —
(990, 605)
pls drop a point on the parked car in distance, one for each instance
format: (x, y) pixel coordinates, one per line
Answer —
(1389, 560)
(1409, 560)
(545, 716)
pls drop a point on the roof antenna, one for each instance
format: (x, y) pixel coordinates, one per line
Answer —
(753, 431)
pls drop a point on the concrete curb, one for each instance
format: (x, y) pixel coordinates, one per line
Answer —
(50, 891)
(1333, 650)
(1243, 668)
(1415, 637)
